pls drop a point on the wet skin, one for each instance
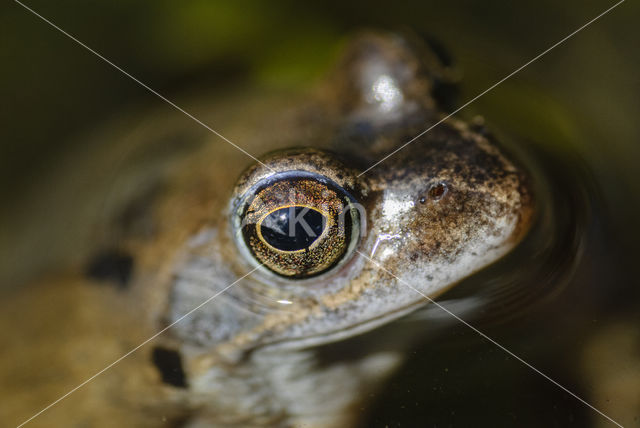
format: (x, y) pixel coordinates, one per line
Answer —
(280, 343)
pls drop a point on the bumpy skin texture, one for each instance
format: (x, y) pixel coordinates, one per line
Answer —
(272, 351)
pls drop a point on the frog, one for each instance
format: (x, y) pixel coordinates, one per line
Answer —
(222, 290)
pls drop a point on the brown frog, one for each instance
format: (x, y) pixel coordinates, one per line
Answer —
(264, 300)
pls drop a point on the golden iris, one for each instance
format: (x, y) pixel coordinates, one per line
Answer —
(298, 225)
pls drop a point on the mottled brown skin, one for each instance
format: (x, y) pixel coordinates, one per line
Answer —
(444, 207)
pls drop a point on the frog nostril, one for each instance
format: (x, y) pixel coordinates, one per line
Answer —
(112, 266)
(437, 191)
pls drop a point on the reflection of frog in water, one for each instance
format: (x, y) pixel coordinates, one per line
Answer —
(269, 349)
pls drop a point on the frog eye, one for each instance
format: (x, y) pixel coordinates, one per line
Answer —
(298, 224)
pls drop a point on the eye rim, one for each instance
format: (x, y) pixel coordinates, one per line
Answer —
(241, 203)
(325, 229)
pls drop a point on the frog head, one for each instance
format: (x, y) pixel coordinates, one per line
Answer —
(319, 247)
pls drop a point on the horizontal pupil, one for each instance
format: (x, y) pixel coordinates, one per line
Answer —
(292, 228)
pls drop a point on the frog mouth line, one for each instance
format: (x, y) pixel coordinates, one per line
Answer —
(351, 331)
(379, 320)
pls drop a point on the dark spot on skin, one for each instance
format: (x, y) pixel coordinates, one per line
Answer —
(439, 50)
(169, 363)
(177, 421)
(445, 93)
(136, 219)
(113, 266)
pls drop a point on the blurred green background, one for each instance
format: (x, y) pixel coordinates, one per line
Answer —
(583, 94)
(582, 99)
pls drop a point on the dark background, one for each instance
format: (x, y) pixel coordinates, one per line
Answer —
(581, 99)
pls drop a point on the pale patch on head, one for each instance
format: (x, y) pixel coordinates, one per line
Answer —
(381, 238)
(385, 91)
(394, 207)
(492, 242)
